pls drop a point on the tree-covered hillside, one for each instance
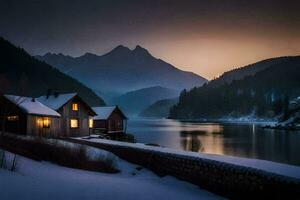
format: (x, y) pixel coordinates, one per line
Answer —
(242, 72)
(22, 74)
(264, 94)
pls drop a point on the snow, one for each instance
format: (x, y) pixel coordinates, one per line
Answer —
(293, 121)
(103, 112)
(43, 180)
(32, 106)
(251, 118)
(269, 166)
(56, 102)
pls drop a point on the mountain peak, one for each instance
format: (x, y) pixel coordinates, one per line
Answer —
(138, 47)
(49, 54)
(141, 51)
(89, 55)
(121, 48)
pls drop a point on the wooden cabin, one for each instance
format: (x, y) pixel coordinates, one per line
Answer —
(59, 115)
(27, 116)
(109, 119)
(76, 115)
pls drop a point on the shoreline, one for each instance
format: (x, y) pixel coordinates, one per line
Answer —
(212, 120)
(283, 128)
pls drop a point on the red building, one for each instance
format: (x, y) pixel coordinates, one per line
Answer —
(109, 119)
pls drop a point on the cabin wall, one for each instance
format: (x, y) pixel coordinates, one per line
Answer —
(100, 124)
(18, 126)
(82, 115)
(35, 126)
(9, 109)
(115, 122)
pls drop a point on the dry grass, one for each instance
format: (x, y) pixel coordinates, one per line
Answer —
(39, 149)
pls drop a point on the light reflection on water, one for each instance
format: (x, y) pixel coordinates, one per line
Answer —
(236, 139)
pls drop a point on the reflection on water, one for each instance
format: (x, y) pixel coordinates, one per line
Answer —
(244, 140)
(191, 142)
(199, 141)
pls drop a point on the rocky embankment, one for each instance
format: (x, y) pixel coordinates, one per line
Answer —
(292, 119)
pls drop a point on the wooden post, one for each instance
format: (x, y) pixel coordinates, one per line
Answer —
(125, 129)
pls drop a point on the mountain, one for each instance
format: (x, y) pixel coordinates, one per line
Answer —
(123, 70)
(22, 74)
(242, 72)
(263, 94)
(159, 109)
(134, 102)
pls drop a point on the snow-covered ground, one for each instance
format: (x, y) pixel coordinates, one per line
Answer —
(46, 181)
(269, 166)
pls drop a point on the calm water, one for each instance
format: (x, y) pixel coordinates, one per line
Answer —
(236, 139)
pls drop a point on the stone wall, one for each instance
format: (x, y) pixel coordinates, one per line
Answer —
(228, 180)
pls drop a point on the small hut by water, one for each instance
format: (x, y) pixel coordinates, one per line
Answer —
(109, 119)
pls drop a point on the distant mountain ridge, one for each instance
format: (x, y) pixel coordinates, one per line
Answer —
(19, 69)
(134, 102)
(159, 109)
(122, 70)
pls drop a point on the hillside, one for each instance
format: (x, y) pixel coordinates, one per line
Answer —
(263, 94)
(136, 101)
(159, 109)
(123, 70)
(22, 74)
(242, 72)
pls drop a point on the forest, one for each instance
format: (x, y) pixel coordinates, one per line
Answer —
(22, 74)
(264, 94)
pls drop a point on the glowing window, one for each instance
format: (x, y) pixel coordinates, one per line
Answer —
(91, 123)
(75, 106)
(39, 122)
(13, 118)
(46, 122)
(74, 123)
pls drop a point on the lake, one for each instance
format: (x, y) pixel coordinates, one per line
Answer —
(234, 139)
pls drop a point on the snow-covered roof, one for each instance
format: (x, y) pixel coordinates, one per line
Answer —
(104, 112)
(32, 106)
(56, 102)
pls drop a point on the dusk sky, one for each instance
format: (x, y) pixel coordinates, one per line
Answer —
(207, 37)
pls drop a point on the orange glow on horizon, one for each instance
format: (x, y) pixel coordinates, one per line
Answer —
(210, 58)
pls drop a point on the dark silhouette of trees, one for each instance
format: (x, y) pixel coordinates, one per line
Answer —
(18, 67)
(265, 94)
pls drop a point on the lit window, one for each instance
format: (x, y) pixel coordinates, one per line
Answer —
(74, 123)
(39, 122)
(75, 107)
(91, 123)
(13, 118)
(46, 122)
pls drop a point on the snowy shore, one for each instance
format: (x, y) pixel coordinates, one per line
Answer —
(42, 180)
(268, 166)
